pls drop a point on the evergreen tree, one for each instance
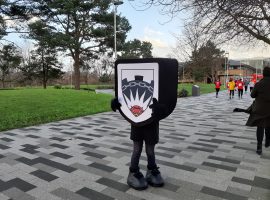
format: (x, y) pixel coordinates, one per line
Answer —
(82, 28)
(137, 49)
(44, 59)
(10, 59)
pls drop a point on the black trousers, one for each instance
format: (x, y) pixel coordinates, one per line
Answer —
(260, 133)
(136, 154)
(231, 93)
(240, 93)
(217, 90)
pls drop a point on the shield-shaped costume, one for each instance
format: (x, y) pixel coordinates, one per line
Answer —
(138, 81)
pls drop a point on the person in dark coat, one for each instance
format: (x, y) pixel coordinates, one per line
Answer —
(148, 134)
(260, 110)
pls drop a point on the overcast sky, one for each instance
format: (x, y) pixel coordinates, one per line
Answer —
(150, 25)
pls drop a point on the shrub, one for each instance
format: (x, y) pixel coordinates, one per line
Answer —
(104, 78)
(88, 89)
(183, 93)
(57, 86)
(105, 87)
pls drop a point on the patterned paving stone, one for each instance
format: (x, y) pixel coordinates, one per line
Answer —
(205, 153)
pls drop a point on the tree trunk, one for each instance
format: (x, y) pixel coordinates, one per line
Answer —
(77, 71)
(3, 83)
(43, 71)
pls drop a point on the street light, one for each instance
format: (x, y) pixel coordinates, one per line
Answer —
(226, 68)
(240, 69)
(116, 3)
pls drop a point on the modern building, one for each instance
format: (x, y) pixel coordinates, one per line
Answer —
(236, 69)
(245, 68)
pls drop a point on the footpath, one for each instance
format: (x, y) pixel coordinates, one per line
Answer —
(205, 153)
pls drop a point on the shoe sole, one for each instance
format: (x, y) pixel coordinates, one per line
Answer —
(155, 185)
(137, 188)
(259, 152)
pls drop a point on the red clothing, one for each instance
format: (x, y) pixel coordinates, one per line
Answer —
(240, 85)
(218, 84)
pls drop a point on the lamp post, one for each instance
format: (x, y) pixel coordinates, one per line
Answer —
(226, 68)
(116, 3)
(240, 70)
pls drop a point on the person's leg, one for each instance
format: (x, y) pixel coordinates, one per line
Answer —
(150, 152)
(216, 92)
(239, 93)
(267, 137)
(135, 178)
(153, 175)
(259, 134)
(135, 158)
(232, 93)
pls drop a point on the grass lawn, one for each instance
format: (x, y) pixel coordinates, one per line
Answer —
(26, 107)
(204, 88)
(31, 106)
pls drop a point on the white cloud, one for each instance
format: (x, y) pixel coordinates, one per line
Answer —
(245, 51)
(158, 40)
(150, 32)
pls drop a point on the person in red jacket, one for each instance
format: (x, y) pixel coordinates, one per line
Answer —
(240, 87)
(217, 86)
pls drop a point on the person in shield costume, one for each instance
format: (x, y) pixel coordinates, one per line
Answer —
(148, 134)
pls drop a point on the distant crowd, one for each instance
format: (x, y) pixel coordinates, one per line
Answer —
(259, 110)
(236, 85)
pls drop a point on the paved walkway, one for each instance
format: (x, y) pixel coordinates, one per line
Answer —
(205, 153)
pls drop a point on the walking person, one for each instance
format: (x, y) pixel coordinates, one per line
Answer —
(246, 82)
(251, 85)
(260, 110)
(231, 87)
(217, 87)
(240, 87)
(148, 134)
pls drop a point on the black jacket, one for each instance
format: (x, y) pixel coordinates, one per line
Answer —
(260, 111)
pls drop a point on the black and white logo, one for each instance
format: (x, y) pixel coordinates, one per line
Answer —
(137, 86)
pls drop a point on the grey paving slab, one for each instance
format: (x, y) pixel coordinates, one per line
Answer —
(205, 152)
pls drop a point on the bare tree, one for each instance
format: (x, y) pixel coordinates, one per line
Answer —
(10, 59)
(226, 19)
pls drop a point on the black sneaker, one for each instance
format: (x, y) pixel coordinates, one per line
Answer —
(137, 181)
(154, 178)
(259, 149)
(267, 143)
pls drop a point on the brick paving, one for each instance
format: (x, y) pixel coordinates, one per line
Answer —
(205, 153)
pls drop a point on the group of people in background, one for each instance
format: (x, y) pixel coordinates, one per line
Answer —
(234, 85)
(260, 109)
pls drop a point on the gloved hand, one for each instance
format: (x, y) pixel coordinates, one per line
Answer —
(236, 110)
(115, 105)
(240, 110)
(158, 110)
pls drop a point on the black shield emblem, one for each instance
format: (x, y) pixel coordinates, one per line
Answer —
(138, 81)
(137, 94)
